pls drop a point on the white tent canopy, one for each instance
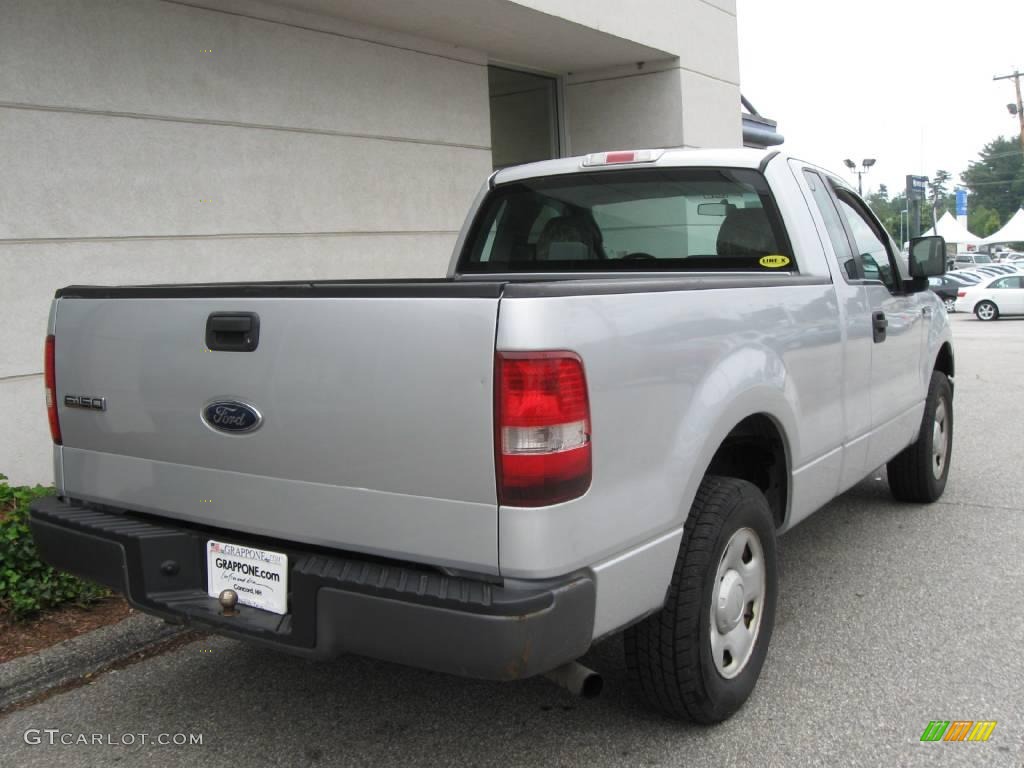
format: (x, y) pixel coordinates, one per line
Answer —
(952, 231)
(1013, 232)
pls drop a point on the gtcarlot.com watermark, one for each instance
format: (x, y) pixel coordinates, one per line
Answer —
(56, 737)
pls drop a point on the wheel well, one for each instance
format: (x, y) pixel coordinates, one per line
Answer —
(944, 362)
(754, 451)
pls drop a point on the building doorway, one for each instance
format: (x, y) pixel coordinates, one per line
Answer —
(524, 117)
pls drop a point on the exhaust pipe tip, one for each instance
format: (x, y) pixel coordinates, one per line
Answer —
(592, 686)
(577, 679)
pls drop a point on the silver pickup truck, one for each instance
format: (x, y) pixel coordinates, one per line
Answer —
(641, 368)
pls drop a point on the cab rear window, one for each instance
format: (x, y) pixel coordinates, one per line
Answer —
(632, 220)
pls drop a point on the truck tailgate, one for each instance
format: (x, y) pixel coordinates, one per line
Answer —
(376, 403)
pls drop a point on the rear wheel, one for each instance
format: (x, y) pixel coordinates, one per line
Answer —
(950, 305)
(986, 310)
(700, 656)
(919, 472)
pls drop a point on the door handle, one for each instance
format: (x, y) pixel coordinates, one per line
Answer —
(879, 326)
(233, 331)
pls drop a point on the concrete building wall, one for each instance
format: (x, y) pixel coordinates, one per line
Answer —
(656, 105)
(145, 141)
(624, 108)
(151, 141)
(691, 100)
(701, 33)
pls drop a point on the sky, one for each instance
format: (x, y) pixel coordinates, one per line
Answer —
(906, 82)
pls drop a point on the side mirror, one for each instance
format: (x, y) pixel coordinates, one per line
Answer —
(927, 256)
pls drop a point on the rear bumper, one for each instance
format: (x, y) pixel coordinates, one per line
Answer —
(338, 603)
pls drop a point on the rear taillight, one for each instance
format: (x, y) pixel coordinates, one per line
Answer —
(961, 294)
(542, 428)
(50, 382)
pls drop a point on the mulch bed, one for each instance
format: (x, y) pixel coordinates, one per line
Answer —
(28, 636)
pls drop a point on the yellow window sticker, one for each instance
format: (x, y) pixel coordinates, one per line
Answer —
(774, 261)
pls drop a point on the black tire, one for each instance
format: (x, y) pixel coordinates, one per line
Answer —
(669, 654)
(911, 473)
(981, 307)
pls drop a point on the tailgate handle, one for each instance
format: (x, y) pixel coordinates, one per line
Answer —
(232, 331)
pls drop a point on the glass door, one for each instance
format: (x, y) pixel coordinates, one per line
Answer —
(524, 117)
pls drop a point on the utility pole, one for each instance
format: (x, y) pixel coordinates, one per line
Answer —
(1017, 108)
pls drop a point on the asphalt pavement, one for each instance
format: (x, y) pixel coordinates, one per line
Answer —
(890, 616)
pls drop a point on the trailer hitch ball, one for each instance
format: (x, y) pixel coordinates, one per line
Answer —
(228, 599)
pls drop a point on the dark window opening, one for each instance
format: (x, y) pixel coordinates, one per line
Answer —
(524, 117)
(631, 220)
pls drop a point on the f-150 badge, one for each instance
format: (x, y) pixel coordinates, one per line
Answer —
(86, 402)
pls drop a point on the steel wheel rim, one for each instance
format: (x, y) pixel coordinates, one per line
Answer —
(986, 311)
(940, 439)
(737, 602)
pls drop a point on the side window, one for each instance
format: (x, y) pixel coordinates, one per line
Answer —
(1006, 282)
(492, 233)
(876, 261)
(833, 225)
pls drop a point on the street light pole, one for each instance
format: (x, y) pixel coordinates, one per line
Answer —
(865, 164)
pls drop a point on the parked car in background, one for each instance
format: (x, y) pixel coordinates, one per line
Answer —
(968, 260)
(976, 274)
(994, 298)
(996, 269)
(946, 288)
(966, 276)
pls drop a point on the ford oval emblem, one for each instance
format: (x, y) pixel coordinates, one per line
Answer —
(231, 416)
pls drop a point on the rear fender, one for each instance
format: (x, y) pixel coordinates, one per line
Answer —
(748, 382)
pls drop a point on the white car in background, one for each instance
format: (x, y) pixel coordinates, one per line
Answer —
(993, 298)
(969, 260)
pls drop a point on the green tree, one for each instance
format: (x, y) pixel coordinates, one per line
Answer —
(888, 210)
(996, 180)
(937, 187)
(982, 221)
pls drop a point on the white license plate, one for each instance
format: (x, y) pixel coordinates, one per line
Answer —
(259, 577)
